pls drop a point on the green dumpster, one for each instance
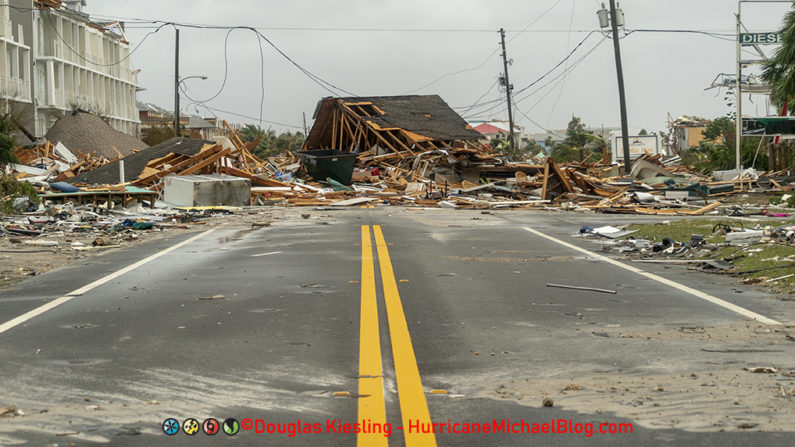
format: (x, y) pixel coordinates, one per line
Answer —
(328, 163)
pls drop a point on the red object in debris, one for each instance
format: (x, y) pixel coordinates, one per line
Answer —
(374, 172)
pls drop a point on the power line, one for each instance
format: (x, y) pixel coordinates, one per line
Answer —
(77, 53)
(563, 75)
(249, 117)
(456, 72)
(548, 72)
(569, 69)
(536, 20)
(568, 44)
(478, 100)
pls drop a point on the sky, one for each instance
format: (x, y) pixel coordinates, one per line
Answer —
(449, 48)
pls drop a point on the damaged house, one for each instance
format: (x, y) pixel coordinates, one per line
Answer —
(420, 134)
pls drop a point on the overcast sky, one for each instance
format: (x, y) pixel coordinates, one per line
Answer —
(664, 72)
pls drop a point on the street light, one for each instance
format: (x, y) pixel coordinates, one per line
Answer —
(176, 101)
(616, 19)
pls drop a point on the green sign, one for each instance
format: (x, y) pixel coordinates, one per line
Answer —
(759, 38)
(769, 125)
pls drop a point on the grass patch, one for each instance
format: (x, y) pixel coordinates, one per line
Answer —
(761, 256)
(681, 230)
(753, 257)
(11, 188)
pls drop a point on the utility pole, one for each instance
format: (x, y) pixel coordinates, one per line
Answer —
(738, 120)
(176, 85)
(616, 20)
(508, 89)
(621, 97)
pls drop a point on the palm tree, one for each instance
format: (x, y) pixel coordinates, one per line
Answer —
(779, 71)
(7, 146)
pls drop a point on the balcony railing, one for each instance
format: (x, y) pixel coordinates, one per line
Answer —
(14, 88)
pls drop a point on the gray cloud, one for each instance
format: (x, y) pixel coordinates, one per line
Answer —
(665, 73)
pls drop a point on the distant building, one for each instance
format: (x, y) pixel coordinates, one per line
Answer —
(194, 126)
(687, 131)
(55, 59)
(552, 136)
(495, 128)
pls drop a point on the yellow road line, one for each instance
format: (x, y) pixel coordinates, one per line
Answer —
(371, 383)
(413, 406)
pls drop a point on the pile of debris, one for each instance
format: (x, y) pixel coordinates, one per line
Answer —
(398, 150)
(47, 162)
(760, 252)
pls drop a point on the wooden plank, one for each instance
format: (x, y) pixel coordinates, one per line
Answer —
(545, 183)
(355, 201)
(204, 163)
(334, 129)
(181, 165)
(705, 209)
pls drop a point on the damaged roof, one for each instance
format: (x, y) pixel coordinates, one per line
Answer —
(90, 134)
(428, 117)
(134, 164)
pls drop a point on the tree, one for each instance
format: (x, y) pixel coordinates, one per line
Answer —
(779, 70)
(720, 130)
(158, 134)
(271, 144)
(579, 143)
(716, 152)
(7, 146)
(643, 132)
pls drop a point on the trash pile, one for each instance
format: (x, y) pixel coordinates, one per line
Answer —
(47, 162)
(401, 150)
(50, 227)
(757, 253)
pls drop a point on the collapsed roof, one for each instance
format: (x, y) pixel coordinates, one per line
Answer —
(399, 123)
(89, 134)
(134, 164)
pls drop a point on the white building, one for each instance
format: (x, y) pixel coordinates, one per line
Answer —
(15, 63)
(65, 61)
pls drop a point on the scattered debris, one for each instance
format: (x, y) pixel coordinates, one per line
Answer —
(762, 370)
(592, 289)
(11, 412)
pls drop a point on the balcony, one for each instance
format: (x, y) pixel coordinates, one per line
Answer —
(14, 88)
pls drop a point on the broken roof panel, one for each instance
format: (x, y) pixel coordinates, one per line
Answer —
(134, 164)
(90, 134)
(418, 117)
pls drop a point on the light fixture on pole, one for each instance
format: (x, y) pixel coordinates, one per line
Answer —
(176, 100)
(615, 18)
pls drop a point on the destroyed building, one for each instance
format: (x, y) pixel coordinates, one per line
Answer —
(135, 164)
(90, 134)
(394, 124)
(420, 134)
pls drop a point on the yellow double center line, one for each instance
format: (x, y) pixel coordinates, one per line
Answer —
(413, 406)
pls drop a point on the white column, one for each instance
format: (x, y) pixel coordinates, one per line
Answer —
(50, 82)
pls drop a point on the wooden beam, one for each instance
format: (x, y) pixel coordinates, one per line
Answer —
(202, 164)
(181, 165)
(334, 128)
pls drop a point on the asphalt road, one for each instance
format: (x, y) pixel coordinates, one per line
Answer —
(387, 316)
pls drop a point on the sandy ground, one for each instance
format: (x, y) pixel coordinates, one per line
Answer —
(732, 394)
